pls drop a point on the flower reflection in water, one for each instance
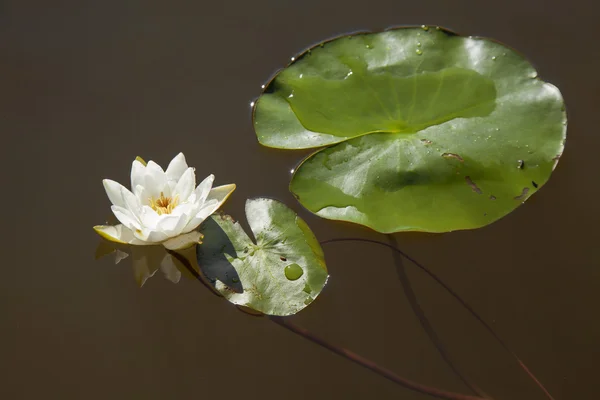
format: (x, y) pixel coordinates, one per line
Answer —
(147, 260)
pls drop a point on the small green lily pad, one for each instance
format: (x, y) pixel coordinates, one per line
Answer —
(279, 274)
(428, 131)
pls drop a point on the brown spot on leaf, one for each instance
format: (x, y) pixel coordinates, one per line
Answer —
(227, 288)
(535, 185)
(283, 258)
(523, 194)
(473, 185)
(452, 155)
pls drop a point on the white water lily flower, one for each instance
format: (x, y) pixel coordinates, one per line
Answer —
(163, 206)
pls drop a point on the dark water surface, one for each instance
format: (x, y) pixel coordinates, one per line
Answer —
(89, 85)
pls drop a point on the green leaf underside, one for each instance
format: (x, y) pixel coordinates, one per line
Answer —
(280, 274)
(428, 131)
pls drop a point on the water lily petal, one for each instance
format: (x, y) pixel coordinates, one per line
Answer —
(157, 237)
(131, 201)
(118, 234)
(142, 195)
(168, 223)
(168, 267)
(155, 180)
(151, 236)
(176, 167)
(186, 184)
(188, 209)
(185, 212)
(183, 241)
(121, 197)
(203, 189)
(215, 199)
(126, 217)
(149, 218)
(113, 191)
(138, 171)
(221, 193)
(183, 221)
(203, 212)
(171, 184)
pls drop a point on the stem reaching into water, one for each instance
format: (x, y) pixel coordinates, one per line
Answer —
(458, 298)
(386, 373)
(411, 296)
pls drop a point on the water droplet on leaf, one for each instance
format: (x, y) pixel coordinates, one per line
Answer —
(425, 27)
(293, 272)
(419, 51)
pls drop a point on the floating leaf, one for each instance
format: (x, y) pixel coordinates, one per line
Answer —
(428, 131)
(280, 274)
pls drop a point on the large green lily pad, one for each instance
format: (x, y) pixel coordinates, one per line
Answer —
(279, 274)
(428, 131)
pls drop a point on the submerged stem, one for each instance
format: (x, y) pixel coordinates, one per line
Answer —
(411, 296)
(457, 297)
(386, 373)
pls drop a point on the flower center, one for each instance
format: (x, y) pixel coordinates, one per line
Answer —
(164, 205)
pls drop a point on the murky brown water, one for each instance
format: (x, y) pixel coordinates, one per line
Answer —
(88, 85)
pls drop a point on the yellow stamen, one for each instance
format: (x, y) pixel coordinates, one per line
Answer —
(164, 205)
